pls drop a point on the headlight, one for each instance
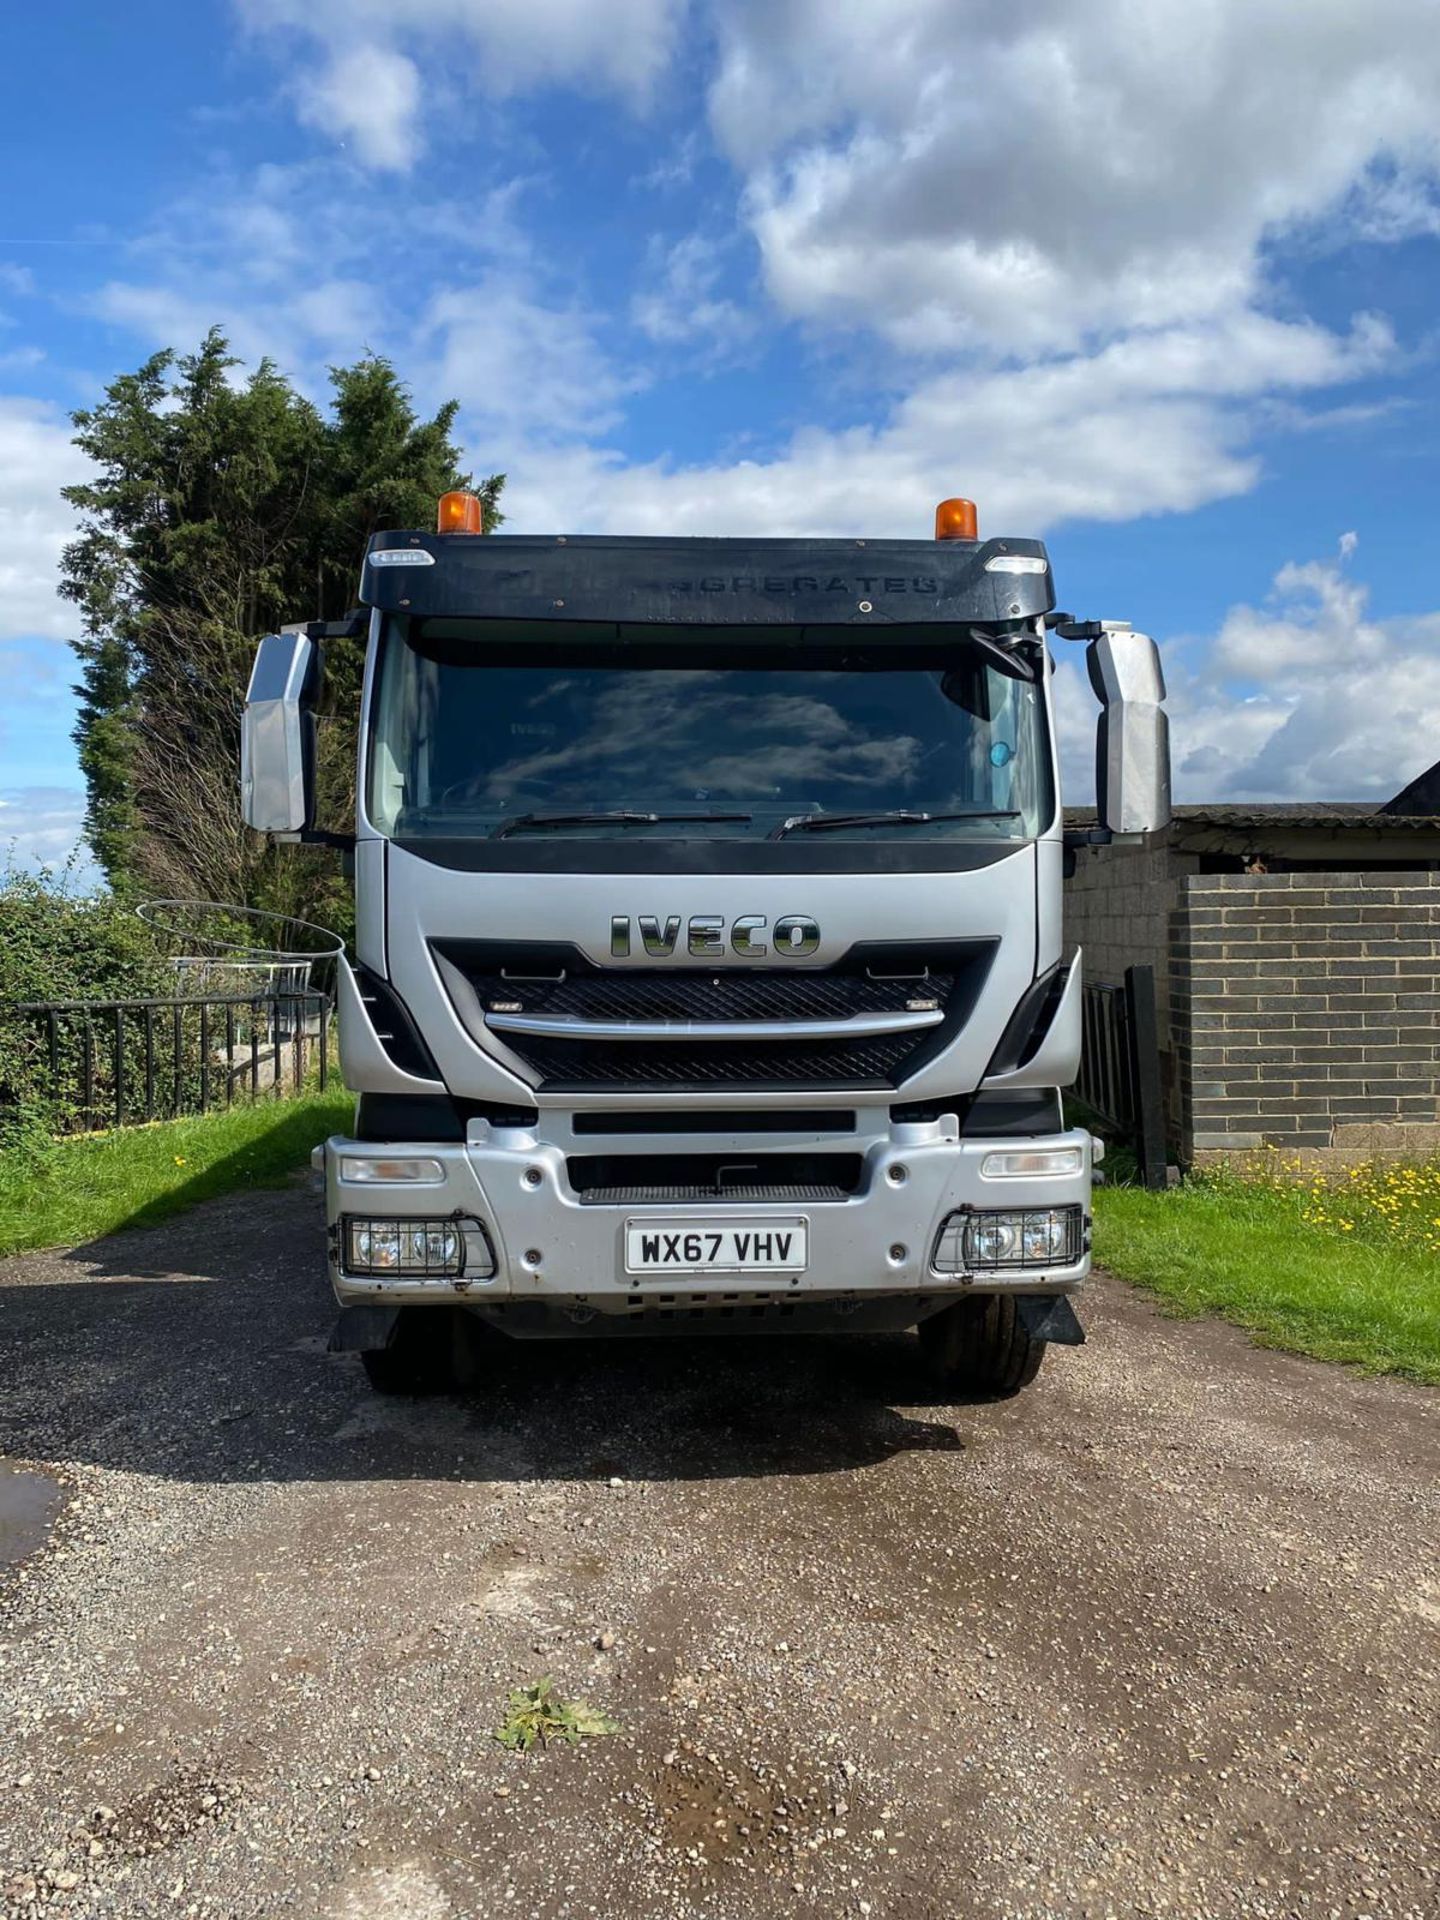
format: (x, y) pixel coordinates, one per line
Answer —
(987, 1239)
(418, 1248)
(990, 1241)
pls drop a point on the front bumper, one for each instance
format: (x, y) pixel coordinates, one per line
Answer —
(550, 1245)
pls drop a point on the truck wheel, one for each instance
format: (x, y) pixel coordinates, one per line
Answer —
(980, 1345)
(428, 1353)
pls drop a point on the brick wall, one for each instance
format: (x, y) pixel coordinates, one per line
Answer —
(1305, 1012)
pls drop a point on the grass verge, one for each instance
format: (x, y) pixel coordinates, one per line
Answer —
(1290, 1272)
(136, 1176)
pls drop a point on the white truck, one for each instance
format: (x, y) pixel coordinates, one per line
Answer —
(709, 970)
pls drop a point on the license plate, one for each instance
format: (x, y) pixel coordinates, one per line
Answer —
(704, 1246)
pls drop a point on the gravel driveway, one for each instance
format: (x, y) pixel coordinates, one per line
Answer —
(1159, 1637)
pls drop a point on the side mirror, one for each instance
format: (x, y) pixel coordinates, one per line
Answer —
(1132, 742)
(277, 735)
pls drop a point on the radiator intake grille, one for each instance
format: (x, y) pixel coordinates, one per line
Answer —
(873, 978)
(618, 1179)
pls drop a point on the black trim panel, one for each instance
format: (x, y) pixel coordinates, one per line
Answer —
(400, 1039)
(718, 1120)
(1028, 1110)
(415, 1117)
(1034, 1014)
(801, 854)
(1016, 1111)
(717, 1176)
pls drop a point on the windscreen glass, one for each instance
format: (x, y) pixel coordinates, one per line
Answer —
(489, 728)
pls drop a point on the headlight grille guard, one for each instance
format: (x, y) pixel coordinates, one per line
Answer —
(957, 1227)
(473, 1259)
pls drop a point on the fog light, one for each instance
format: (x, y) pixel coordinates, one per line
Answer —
(418, 1248)
(369, 1171)
(1019, 1162)
(985, 1240)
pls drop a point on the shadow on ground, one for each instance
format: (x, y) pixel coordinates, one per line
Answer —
(196, 1350)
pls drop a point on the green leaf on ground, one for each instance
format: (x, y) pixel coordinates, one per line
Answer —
(537, 1713)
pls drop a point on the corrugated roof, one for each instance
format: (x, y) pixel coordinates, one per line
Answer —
(1256, 816)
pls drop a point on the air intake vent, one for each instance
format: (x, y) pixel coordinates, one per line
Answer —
(617, 1179)
(394, 1029)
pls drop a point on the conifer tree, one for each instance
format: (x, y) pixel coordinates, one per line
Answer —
(220, 509)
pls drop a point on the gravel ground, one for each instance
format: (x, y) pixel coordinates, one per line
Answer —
(1158, 1637)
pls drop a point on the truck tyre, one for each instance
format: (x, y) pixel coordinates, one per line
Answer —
(981, 1346)
(428, 1353)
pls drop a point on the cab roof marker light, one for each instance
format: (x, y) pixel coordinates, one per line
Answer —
(1016, 563)
(459, 512)
(957, 520)
(402, 557)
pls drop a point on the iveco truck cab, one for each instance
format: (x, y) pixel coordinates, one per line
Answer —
(709, 969)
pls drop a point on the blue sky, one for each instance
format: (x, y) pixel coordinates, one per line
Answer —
(1168, 298)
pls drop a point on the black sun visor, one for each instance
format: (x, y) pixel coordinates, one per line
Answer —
(727, 583)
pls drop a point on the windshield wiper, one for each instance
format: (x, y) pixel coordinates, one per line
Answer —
(622, 817)
(901, 817)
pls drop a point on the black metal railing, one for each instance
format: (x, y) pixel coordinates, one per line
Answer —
(1120, 1067)
(93, 1064)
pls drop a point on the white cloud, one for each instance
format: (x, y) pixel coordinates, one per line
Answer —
(1065, 214)
(36, 460)
(1023, 178)
(261, 256)
(378, 62)
(41, 827)
(1307, 697)
(521, 369)
(367, 96)
(678, 303)
(1157, 423)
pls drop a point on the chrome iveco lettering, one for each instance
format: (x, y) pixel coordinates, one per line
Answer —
(793, 936)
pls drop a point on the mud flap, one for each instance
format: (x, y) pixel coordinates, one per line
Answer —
(1050, 1317)
(363, 1329)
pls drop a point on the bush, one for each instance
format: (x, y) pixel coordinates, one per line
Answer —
(58, 943)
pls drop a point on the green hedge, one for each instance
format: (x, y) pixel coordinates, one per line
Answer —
(57, 943)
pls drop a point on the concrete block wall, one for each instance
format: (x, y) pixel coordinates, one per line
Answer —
(1118, 907)
(1305, 1013)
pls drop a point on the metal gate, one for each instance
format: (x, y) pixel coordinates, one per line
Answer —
(1120, 1067)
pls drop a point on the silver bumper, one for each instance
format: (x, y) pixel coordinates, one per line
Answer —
(550, 1244)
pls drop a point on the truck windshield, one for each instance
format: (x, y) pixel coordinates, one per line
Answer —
(486, 727)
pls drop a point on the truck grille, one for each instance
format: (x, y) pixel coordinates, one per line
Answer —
(686, 1196)
(873, 980)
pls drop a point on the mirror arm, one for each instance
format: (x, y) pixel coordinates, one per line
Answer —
(317, 837)
(354, 626)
